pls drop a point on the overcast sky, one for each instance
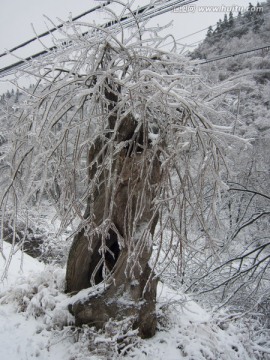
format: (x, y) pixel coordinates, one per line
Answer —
(17, 16)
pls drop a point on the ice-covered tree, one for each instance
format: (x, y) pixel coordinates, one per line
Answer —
(117, 136)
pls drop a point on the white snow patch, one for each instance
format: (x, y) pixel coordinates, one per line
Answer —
(35, 323)
(21, 265)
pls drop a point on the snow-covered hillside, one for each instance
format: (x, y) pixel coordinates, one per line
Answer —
(243, 103)
(35, 323)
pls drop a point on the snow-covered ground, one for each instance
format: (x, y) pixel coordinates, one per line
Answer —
(35, 323)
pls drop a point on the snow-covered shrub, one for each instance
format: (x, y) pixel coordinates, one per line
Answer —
(40, 296)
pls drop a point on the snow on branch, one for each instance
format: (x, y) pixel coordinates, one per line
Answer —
(73, 136)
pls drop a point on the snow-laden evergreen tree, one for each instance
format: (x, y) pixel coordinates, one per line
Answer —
(231, 19)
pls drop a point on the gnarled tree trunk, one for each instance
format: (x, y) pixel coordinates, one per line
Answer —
(114, 246)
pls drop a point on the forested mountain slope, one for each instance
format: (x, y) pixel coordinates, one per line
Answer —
(251, 70)
(241, 274)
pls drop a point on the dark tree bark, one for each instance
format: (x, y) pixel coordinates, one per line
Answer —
(130, 288)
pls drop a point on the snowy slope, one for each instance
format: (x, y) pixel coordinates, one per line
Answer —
(26, 310)
(36, 324)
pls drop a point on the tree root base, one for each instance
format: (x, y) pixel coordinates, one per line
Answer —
(103, 304)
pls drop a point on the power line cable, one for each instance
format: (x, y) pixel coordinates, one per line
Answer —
(266, 47)
(139, 11)
(196, 32)
(147, 12)
(226, 31)
(53, 29)
(128, 21)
